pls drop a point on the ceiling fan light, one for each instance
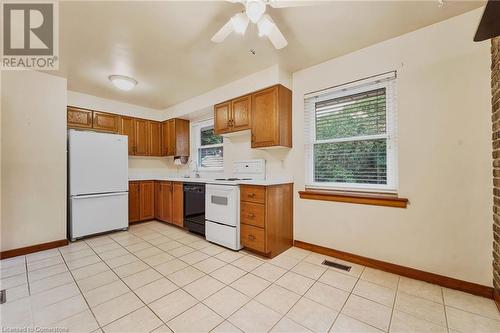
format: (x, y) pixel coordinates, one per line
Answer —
(240, 23)
(123, 82)
(265, 25)
(255, 9)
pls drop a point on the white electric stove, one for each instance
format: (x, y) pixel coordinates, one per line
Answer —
(222, 203)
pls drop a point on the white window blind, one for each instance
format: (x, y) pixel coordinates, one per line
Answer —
(209, 146)
(350, 135)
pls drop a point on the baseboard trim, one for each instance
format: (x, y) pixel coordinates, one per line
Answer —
(33, 248)
(496, 298)
(444, 281)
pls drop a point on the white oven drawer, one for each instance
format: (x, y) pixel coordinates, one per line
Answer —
(223, 235)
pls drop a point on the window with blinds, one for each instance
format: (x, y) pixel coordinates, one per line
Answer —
(210, 149)
(350, 132)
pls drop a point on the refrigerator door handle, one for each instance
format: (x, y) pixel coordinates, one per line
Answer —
(98, 195)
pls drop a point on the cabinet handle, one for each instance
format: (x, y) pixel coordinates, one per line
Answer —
(251, 216)
(251, 195)
(251, 237)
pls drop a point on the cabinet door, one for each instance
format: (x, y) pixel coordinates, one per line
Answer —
(164, 138)
(147, 204)
(127, 127)
(154, 138)
(265, 118)
(181, 137)
(166, 189)
(178, 204)
(79, 118)
(222, 118)
(241, 113)
(141, 137)
(171, 138)
(133, 202)
(158, 201)
(106, 122)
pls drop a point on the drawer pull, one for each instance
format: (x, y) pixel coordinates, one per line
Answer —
(251, 195)
(251, 216)
(251, 237)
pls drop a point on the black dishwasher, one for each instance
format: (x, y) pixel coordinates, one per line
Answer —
(194, 207)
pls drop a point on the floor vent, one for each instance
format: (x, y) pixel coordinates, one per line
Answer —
(3, 296)
(336, 265)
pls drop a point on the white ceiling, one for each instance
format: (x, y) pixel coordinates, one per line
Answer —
(166, 45)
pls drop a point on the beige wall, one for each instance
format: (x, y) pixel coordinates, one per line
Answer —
(444, 152)
(33, 171)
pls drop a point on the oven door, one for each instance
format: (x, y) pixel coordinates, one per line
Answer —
(222, 204)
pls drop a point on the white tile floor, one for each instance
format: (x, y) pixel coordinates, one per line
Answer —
(158, 278)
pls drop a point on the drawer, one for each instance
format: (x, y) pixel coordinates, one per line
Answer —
(252, 213)
(253, 193)
(253, 238)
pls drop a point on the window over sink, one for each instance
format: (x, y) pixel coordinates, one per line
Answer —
(209, 146)
(350, 133)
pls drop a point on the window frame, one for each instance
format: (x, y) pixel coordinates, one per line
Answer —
(197, 128)
(383, 81)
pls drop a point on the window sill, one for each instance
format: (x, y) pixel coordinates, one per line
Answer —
(363, 198)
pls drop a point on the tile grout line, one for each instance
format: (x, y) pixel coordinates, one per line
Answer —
(81, 293)
(444, 308)
(393, 305)
(99, 324)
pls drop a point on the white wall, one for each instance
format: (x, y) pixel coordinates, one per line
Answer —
(107, 105)
(444, 155)
(33, 166)
(205, 102)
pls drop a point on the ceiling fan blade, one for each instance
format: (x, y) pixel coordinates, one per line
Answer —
(223, 32)
(291, 3)
(277, 38)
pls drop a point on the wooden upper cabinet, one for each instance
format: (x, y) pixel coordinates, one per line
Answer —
(171, 138)
(106, 122)
(127, 127)
(241, 113)
(141, 137)
(175, 137)
(222, 118)
(147, 194)
(154, 138)
(164, 138)
(134, 202)
(79, 118)
(181, 137)
(177, 204)
(272, 117)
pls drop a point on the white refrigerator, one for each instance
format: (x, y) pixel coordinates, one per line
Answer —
(98, 183)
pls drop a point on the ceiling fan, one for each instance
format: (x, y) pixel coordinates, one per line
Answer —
(255, 11)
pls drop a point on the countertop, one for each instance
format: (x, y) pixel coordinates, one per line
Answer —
(262, 182)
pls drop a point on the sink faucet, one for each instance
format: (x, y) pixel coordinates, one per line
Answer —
(195, 169)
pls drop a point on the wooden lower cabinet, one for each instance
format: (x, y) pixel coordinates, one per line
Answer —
(178, 204)
(134, 202)
(141, 205)
(163, 201)
(170, 202)
(266, 217)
